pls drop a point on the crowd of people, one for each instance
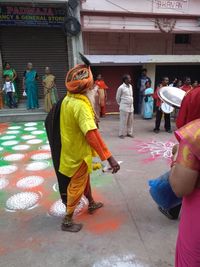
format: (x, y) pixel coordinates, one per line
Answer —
(75, 116)
(147, 97)
(10, 92)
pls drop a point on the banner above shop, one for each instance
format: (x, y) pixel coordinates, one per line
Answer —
(31, 16)
(170, 6)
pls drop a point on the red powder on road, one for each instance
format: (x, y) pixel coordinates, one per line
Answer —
(108, 225)
(104, 220)
(3, 127)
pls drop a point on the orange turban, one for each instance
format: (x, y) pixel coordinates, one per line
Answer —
(79, 79)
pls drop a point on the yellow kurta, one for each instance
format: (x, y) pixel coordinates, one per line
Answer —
(76, 119)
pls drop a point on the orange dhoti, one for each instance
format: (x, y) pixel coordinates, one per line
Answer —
(78, 185)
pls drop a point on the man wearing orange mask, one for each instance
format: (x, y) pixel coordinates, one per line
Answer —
(80, 140)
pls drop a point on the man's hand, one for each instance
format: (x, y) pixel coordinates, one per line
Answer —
(114, 164)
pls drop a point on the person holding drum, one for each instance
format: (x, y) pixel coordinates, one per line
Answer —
(162, 108)
(189, 111)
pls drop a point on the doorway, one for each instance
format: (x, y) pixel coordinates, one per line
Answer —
(113, 78)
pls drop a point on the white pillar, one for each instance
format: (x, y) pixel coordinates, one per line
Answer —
(151, 72)
(75, 43)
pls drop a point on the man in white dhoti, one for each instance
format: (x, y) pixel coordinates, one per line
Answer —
(124, 99)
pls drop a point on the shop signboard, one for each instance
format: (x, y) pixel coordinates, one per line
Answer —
(170, 5)
(31, 16)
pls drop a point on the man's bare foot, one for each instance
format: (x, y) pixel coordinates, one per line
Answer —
(94, 206)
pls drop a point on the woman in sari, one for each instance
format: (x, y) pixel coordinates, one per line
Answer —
(50, 91)
(185, 182)
(148, 101)
(30, 86)
(8, 71)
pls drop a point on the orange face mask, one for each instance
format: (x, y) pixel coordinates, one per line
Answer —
(79, 79)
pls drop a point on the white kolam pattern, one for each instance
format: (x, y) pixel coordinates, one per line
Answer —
(30, 129)
(58, 208)
(8, 169)
(34, 141)
(37, 166)
(3, 183)
(13, 132)
(10, 143)
(21, 147)
(30, 182)
(38, 132)
(7, 137)
(14, 157)
(45, 147)
(22, 201)
(14, 127)
(41, 156)
(29, 124)
(27, 137)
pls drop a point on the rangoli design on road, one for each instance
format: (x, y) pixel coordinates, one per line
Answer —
(154, 149)
(26, 170)
(28, 183)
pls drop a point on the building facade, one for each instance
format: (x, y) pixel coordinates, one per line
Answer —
(123, 36)
(34, 31)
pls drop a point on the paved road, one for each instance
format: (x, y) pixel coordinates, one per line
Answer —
(128, 232)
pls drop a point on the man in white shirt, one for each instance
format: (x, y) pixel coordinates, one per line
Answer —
(124, 99)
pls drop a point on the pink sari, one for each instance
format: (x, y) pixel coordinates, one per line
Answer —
(188, 242)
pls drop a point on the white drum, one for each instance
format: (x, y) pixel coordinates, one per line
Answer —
(173, 96)
(166, 108)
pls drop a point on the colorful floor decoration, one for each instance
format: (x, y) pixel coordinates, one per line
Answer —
(154, 149)
(29, 190)
(27, 178)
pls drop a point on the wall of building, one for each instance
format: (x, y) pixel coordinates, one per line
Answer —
(180, 7)
(107, 43)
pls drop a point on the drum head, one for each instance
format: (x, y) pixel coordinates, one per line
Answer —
(167, 108)
(171, 95)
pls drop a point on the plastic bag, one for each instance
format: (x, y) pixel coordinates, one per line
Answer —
(162, 194)
(24, 93)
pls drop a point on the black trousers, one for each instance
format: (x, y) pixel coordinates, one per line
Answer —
(159, 114)
(11, 100)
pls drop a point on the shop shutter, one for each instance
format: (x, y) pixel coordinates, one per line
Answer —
(41, 46)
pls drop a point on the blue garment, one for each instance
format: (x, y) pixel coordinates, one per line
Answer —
(162, 194)
(141, 88)
(31, 89)
(148, 104)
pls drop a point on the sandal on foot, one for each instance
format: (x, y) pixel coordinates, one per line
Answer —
(69, 226)
(73, 228)
(94, 206)
(166, 213)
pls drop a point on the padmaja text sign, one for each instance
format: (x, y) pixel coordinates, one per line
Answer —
(31, 16)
